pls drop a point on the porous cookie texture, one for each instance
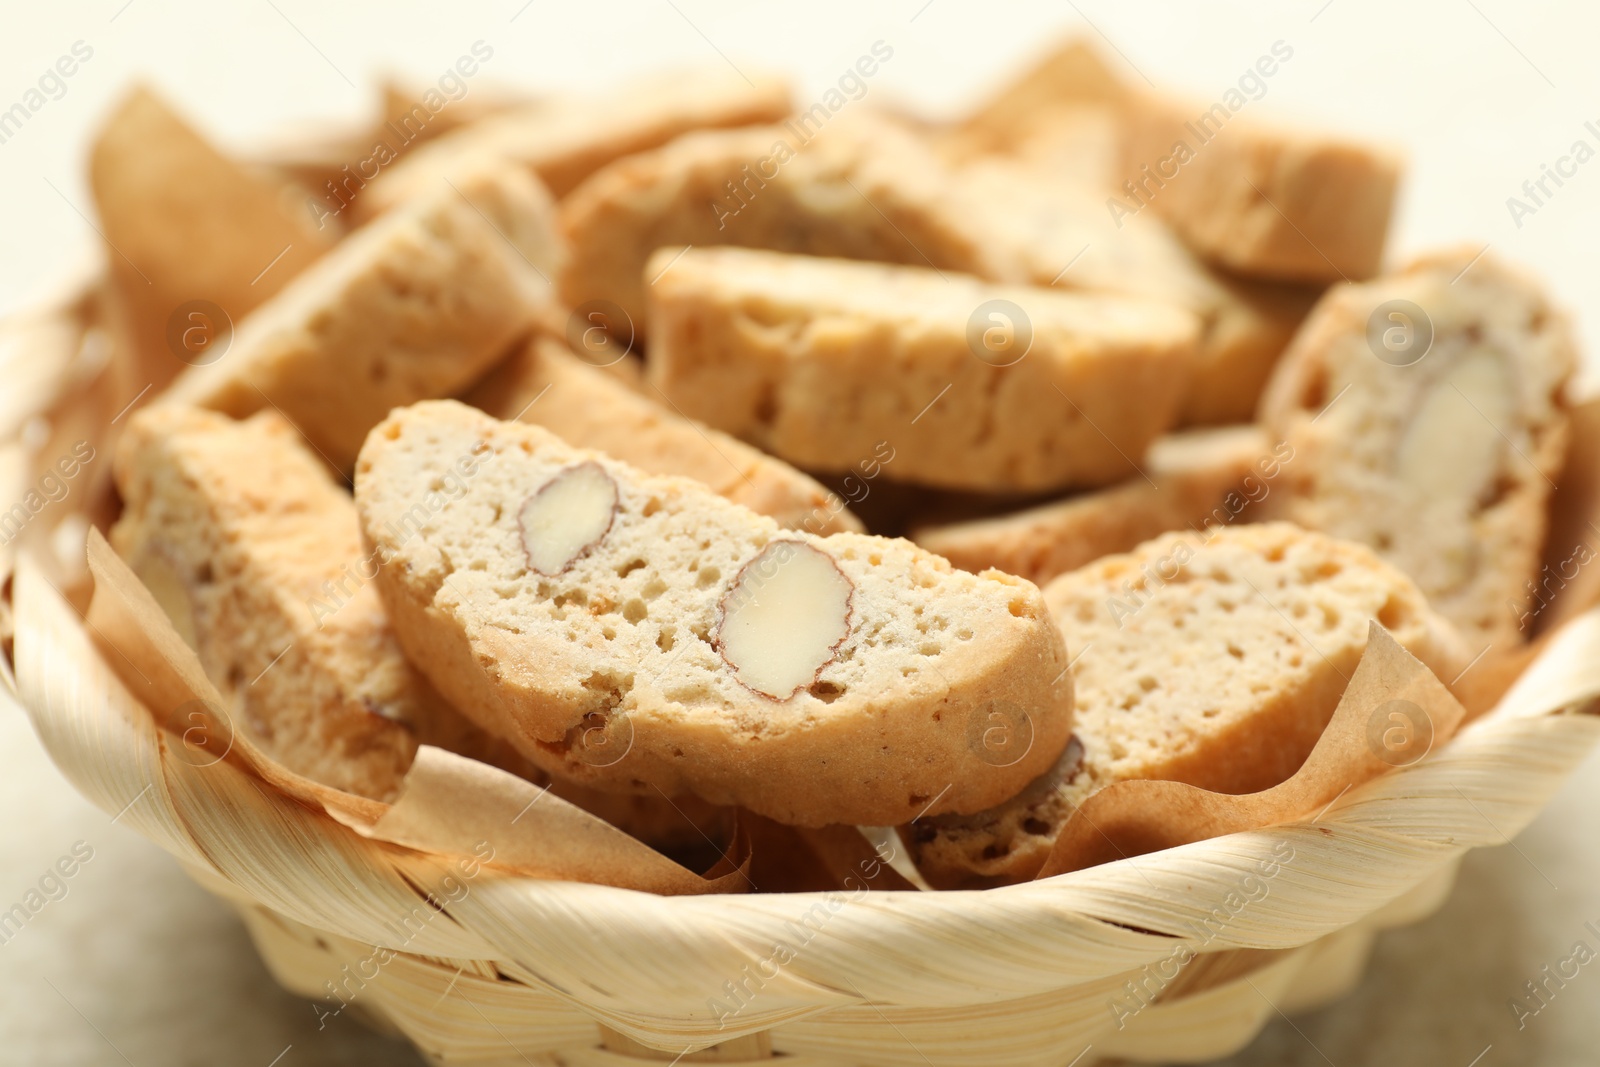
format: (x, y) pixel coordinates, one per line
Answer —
(812, 680)
(563, 139)
(1214, 659)
(544, 383)
(254, 551)
(858, 188)
(977, 386)
(1189, 480)
(1428, 413)
(418, 304)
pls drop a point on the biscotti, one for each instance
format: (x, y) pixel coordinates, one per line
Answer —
(1428, 414)
(255, 553)
(868, 190)
(1267, 201)
(564, 139)
(978, 386)
(1073, 74)
(196, 240)
(1061, 234)
(1078, 145)
(858, 188)
(549, 591)
(1189, 480)
(544, 383)
(1212, 659)
(418, 304)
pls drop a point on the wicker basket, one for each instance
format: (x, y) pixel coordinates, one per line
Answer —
(1077, 969)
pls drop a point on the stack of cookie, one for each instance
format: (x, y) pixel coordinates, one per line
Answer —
(695, 460)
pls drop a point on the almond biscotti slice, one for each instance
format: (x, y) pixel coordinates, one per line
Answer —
(1063, 236)
(418, 304)
(254, 551)
(1214, 659)
(191, 232)
(552, 592)
(858, 187)
(977, 386)
(1428, 414)
(544, 383)
(564, 139)
(1265, 200)
(1194, 479)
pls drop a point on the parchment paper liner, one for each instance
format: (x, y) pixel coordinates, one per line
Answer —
(447, 803)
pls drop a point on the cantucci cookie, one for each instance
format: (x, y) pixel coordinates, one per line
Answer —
(1194, 479)
(197, 240)
(551, 592)
(1061, 234)
(859, 188)
(1265, 200)
(1073, 74)
(255, 553)
(1077, 145)
(544, 383)
(1428, 414)
(564, 139)
(977, 386)
(418, 304)
(1210, 659)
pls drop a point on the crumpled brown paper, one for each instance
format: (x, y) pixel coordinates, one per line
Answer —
(446, 801)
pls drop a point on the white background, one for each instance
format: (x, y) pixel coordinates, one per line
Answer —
(1478, 93)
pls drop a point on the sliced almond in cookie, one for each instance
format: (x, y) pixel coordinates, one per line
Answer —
(1211, 659)
(567, 517)
(977, 386)
(590, 406)
(813, 680)
(784, 618)
(418, 304)
(1428, 414)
